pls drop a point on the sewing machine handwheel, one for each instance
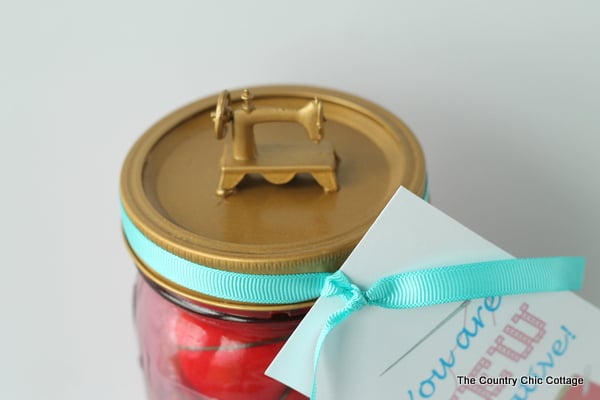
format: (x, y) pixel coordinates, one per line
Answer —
(320, 116)
(222, 114)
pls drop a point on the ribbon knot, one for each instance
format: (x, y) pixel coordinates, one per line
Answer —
(427, 287)
(338, 284)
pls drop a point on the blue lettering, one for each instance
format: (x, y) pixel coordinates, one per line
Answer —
(463, 339)
(435, 374)
(427, 387)
(546, 365)
(568, 332)
(525, 395)
(445, 366)
(492, 303)
(427, 383)
(558, 349)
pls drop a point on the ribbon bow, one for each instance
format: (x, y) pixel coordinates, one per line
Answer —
(427, 287)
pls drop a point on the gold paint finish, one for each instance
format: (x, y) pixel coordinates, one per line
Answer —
(278, 163)
(184, 292)
(169, 178)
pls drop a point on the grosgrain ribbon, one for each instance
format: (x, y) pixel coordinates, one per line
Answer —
(427, 287)
(232, 286)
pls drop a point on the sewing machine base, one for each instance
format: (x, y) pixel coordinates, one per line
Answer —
(279, 163)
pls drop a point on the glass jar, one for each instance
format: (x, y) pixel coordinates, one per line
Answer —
(192, 351)
(229, 264)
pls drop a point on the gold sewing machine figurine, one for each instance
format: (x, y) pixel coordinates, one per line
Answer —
(278, 164)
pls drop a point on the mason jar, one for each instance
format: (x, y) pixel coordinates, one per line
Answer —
(234, 238)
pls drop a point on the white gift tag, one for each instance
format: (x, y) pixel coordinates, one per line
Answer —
(512, 347)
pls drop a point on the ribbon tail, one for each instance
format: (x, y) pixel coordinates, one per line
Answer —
(427, 287)
(333, 320)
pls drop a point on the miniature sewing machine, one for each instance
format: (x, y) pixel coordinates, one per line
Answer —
(277, 163)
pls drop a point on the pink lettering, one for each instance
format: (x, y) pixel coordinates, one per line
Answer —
(519, 336)
(483, 391)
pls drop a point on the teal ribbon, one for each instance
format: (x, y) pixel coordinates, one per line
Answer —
(233, 286)
(247, 288)
(433, 286)
(405, 290)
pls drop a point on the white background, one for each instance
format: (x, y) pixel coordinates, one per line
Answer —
(504, 98)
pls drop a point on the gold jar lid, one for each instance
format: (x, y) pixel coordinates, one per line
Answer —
(180, 189)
